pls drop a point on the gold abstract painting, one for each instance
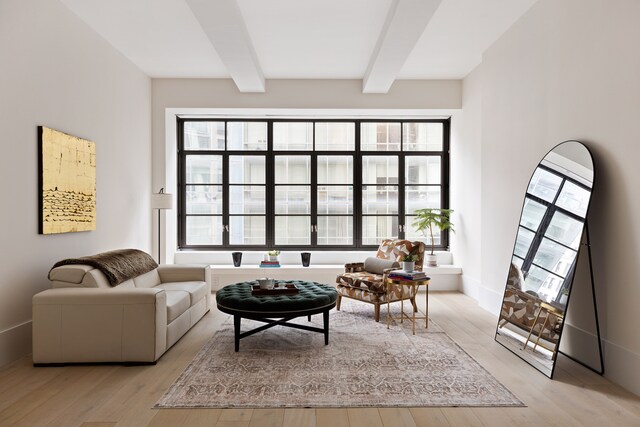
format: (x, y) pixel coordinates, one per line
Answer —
(67, 182)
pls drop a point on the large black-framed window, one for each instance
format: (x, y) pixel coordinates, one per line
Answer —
(296, 184)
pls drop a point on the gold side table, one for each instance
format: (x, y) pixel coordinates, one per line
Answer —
(549, 309)
(413, 285)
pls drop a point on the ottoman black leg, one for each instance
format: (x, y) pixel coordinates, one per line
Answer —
(309, 318)
(325, 321)
(236, 331)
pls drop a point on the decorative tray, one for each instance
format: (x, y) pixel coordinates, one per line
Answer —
(282, 289)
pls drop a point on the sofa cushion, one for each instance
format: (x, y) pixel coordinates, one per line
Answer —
(177, 303)
(196, 290)
(72, 273)
(147, 280)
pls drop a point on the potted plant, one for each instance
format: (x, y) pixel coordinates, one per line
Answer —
(426, 220)
(273, 255)
(408, 262)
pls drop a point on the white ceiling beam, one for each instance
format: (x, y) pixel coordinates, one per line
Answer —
(405, 23)
(224, 25)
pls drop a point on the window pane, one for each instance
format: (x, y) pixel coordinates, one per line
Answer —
(204, 230)
(523, 242)
(293, 199)
(380, 136)
(554, 257)
(413, 234)
(247, 199)
(204, 135)
(532, 214)
(379, 199)
(335, 230)
(377, 228)
(204, 169)
(292, 136)
(422, 170)
(422, 136)
(293, 230)
(204, 199)
(574, 199)
(544, 185)
(565, 230)
(246, 135)
(517, 261)
(335, 169)
(545, 284)
(335, 136)
(247, 230)
(379, 170)
(335, 199)
(421, 197)
(293, 169)
(246, 169)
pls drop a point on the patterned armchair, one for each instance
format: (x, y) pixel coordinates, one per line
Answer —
(359, 284)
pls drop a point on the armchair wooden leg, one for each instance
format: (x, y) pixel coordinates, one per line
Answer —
(377, 312)
(338, 301)
(415, 306)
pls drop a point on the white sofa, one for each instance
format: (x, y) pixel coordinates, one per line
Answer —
(85, 320)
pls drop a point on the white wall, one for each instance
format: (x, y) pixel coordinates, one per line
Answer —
(569, 70)
(466, 191)
(56, 72)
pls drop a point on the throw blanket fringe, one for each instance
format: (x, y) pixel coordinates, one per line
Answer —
(119, 265)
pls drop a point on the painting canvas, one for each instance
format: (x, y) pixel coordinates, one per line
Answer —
(67, 182)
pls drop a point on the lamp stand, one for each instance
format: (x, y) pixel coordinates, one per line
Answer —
(159, 240)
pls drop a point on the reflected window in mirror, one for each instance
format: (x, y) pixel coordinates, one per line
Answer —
(550, 230)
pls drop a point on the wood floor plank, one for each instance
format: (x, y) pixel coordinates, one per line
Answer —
(429, 417)
(239, 414)
(298, 417)
(397, 417)
(332, 417)
(364, 417)
(267, 418)
(202, 417)
(96, 396)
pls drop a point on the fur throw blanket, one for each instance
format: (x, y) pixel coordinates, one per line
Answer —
(119, 265)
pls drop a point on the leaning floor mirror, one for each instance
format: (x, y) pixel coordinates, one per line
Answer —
(547, 244)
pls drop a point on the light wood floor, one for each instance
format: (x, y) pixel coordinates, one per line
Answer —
(100, 396)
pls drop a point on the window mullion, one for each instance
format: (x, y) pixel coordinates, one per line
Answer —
(270, 189)
(357, 190)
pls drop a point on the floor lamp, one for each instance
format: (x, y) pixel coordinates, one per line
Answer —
(161, 201)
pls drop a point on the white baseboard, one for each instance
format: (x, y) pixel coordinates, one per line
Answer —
(15, 343)
(622, 366)
(488, 299)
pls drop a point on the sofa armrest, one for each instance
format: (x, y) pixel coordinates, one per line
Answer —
(78, 325)
(182, 273)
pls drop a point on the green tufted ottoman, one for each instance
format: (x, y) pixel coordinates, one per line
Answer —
(313, 298)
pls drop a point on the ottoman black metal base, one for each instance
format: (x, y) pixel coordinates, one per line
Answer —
(281, 319)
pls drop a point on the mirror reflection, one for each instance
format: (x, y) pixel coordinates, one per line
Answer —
(544, 256)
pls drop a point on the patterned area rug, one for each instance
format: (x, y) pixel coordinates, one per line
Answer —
(365, 364)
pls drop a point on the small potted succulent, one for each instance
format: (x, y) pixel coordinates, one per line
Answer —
(426, 220)
(273, 255)
(408, 262)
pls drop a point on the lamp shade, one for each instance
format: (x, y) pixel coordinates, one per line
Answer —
(162, 201)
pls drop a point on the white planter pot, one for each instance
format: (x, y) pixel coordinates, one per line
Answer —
(408, 265)
(431, 260)
(273, 258)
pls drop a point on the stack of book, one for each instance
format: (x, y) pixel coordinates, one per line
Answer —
(407, 275)
(269, 264)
